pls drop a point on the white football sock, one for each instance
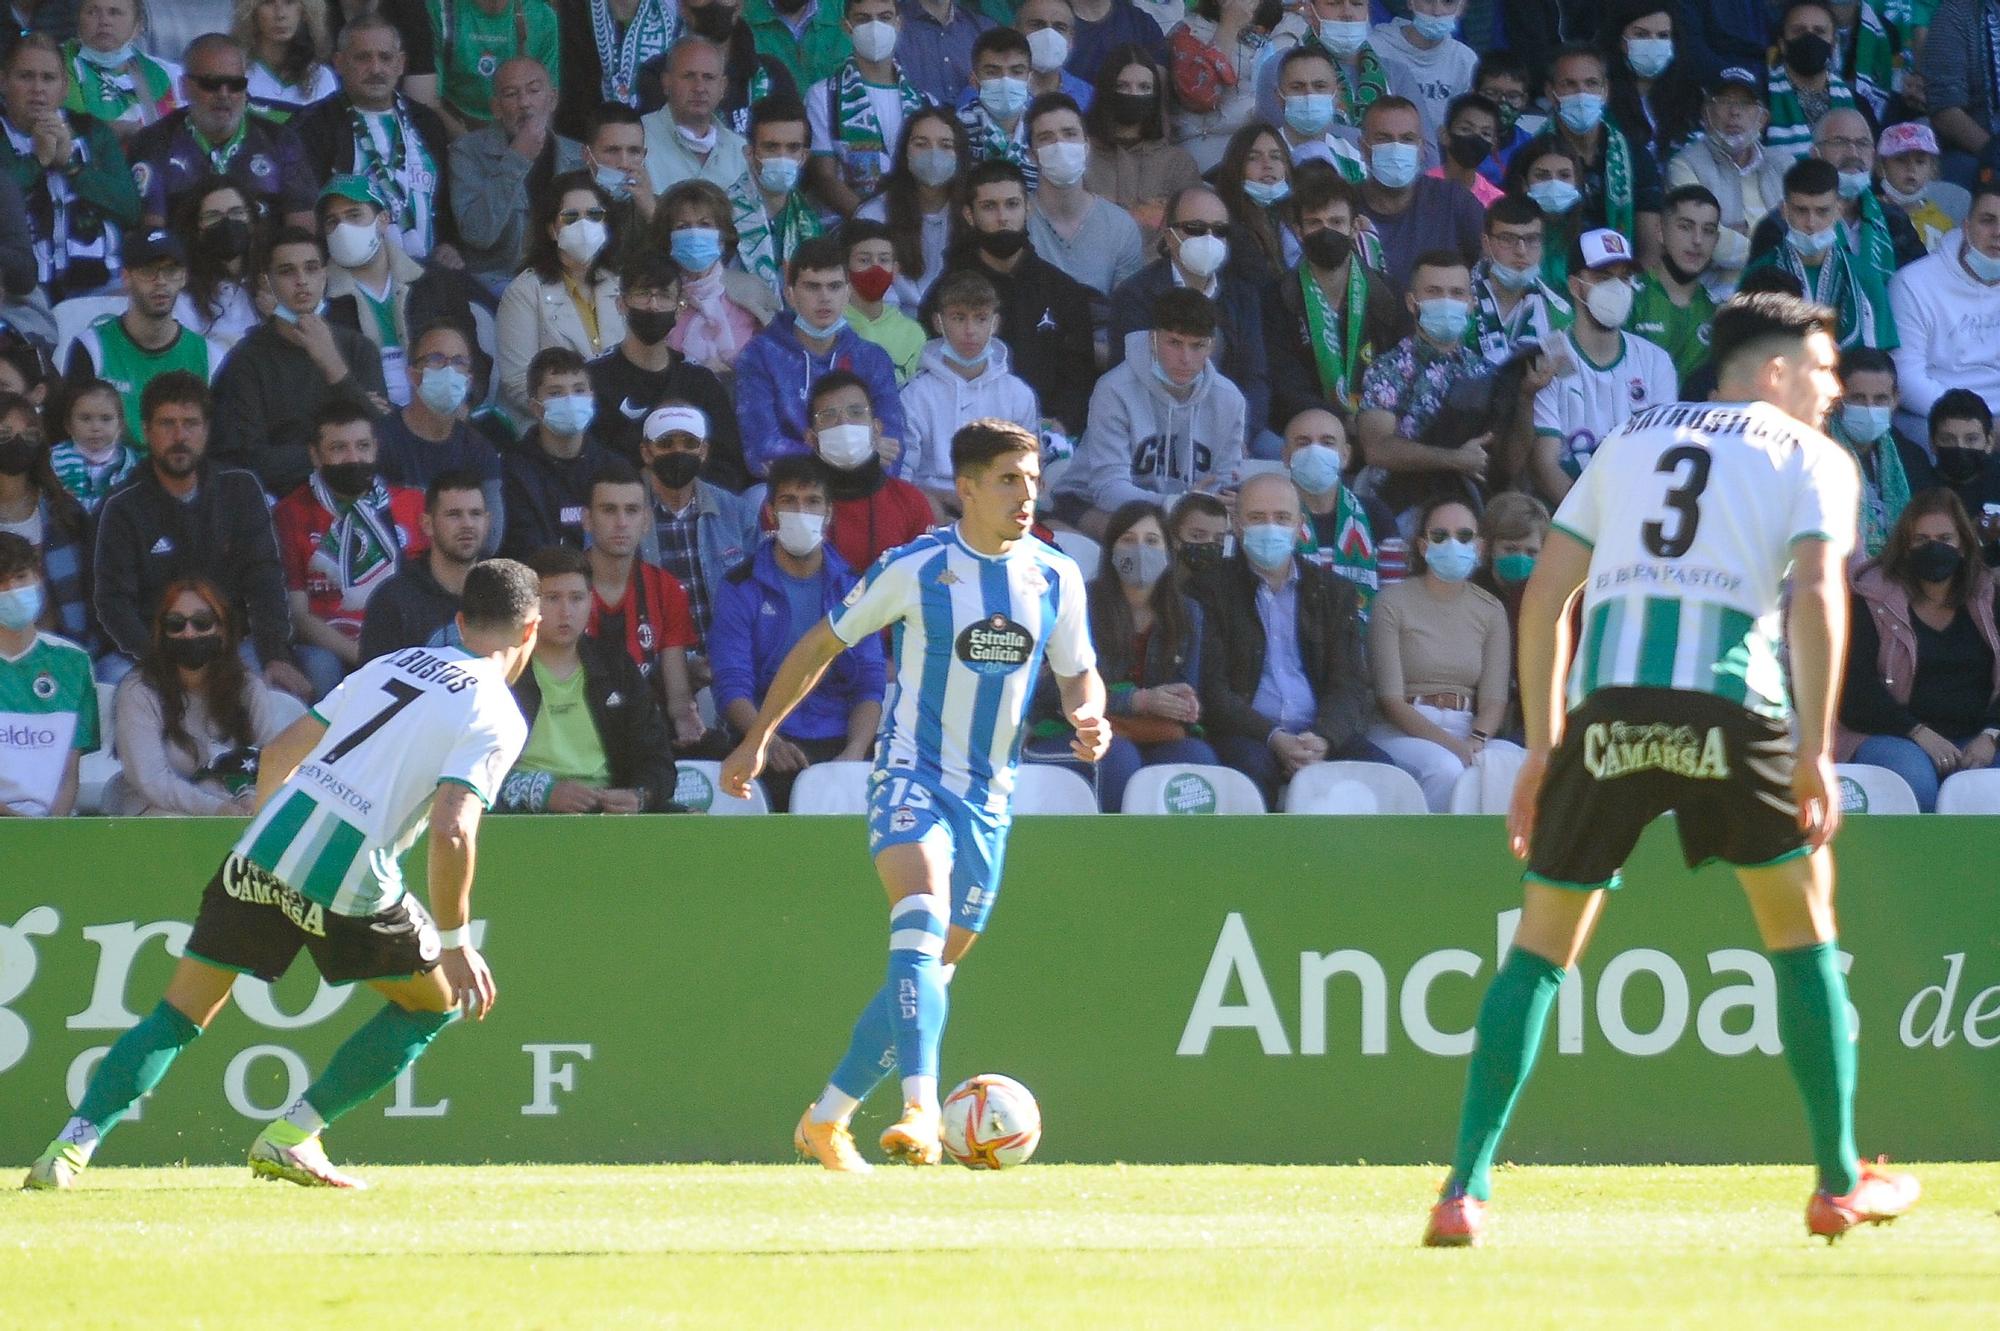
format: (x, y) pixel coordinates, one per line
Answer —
(82, 1134)
(833, 1106)
(305, 1118)
(921, 1091)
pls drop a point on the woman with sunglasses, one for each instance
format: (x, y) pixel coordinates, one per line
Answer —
(1442, 656)
(1131, 162)
(190, 719)
(1195, 252)
(567, 293)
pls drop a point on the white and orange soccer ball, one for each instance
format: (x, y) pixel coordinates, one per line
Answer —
(991, 1122)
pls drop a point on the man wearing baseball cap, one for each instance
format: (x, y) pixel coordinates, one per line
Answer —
(699, 530)
(1604, 374)
(129, 350)
(1909, 156)
(1730, 162)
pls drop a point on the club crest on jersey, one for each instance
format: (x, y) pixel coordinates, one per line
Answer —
(44, 686)
(948, 579)
(995, 645)
(1636, 390)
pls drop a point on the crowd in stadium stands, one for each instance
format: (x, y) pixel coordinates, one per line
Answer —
(1319, 307)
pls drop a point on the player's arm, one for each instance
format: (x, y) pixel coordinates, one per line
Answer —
(1816, 632)
(316, 632)
(455, 812)
(282, 756)
(1544, 659)
(1083, 704)
(798, 676)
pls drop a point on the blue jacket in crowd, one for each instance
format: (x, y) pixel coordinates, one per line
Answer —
(775, 372)
(752, 633)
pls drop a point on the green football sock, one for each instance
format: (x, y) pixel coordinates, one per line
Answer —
(1510, 1033)
(135, 1065)
(1819, 1045)
(373, 1057)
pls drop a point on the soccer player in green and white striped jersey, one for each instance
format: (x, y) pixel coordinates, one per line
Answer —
(1681, 534)
(420, 737)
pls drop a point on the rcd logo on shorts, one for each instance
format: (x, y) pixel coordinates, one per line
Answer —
(995, 645)
(903, 820)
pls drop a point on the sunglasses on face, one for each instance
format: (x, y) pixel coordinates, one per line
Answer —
(570, 215)
(220, 82)
(200, 622)
(1220, 230)
(1439, 535)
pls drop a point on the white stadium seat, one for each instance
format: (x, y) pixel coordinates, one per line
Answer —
(698, 788)
(1050, 788)
(1191, 788)
(836, 787)
(75, 315)
(1488, 785)
(1087, 553)
(94, 771)
(1970, 792)
(1865, 788)
(1352, 788)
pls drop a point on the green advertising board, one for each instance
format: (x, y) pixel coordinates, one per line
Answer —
(1276, 989)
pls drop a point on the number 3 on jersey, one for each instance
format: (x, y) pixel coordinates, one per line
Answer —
(1688, 465)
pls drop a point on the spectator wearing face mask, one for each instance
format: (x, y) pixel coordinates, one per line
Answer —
(1411, 213)
(1673, 308)
(1442, 657)
(1729, 160)
(35, 506)
(61, 724)
(1655, 94)
(1344, 532)
(1809, 246)
(1404, 389)
(191, 719)
(871, 274)
(1892, 467)
(1471, 127)
(722, 307)
(1620, 184)
(1512, 302)
(1162, 423)
(993, 111)
(769, 601)
(1311, 127)
(1423, 50)
(1922, 689)
(873, 511)
(1961, 437)
(1194, 249)
(962, 377)
(783, 217)
(686, 139)
(1513, 526)
(918, 200)
(1132, 163)
(743, 29)
(432, 435)
(545, 478)
(1803, 83)
(1909, 156)
(567, 293)
(857, 112)
(1196, 530)
(1089, 237)
(1947, 306)
(1882, 237)
(699, 531)
(1148, 634)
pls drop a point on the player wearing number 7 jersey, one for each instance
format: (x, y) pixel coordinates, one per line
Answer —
(975, 608)
(421, 736)
(1680, 533)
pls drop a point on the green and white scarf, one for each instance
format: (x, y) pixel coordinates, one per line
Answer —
(766, 242)
(1336, 338)
(1619, 213)
(392, 155)
(1876, 248)
(1352, 554)
(115, 94)
(862, 147)
(991, 142)
(1789, 131)
(1864, 322)
(1884, 498)
(362, 542)
(1878, 54)
(649, 34)
(1359, 93)
(1493, 334)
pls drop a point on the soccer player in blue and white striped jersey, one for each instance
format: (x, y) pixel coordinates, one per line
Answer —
(974, 607)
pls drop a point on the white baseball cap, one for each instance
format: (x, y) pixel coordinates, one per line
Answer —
(676, 417)
(1604, 247)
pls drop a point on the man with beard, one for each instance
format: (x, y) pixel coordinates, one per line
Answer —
(1673, 308)
(129, 350)
(422, 597)
(183, 517)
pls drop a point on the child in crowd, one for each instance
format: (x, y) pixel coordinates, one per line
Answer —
(871, 274)
(91, 461)
(963, 377)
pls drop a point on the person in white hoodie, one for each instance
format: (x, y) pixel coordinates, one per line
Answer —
(1162, 423)
(1947, 308)
(961, 377)
(1424, 49)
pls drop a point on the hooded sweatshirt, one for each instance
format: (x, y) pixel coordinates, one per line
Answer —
(1439, 73)
(775, 374)
(1948, 321)
(1144, 443)
(939, 400)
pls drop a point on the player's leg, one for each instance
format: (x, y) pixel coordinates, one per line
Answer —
(1792, 901)
(871, 1049)
(917, 877)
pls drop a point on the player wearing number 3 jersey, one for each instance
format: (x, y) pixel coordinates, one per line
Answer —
(1680, 534)
(419, 737)
(975, 608)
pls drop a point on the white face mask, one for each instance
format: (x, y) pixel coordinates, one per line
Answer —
(801, 533)
(1610, 302)
(875, 40)
(847, 446)
(1047, 50)
(1202, 255)
(1063, 163)
(582, 239)
(352, 244)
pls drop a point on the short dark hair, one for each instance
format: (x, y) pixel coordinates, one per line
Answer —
(1697, 194)
(552, 360)
(1048, 104)
(292, 235)
(1574, 51)
(1000, 41)
(1772, 278)
(555, 561)
(777, 109)
(1960, 404)
(1470, 101)
(1184, 311)
(859, 230)
(500, 594)
(1811, 175)
(983, 442)
(647, 268)
(18, 556)
(615, 471)
(175, 388)
(445, 325)
(815, 256)
(1514, 210)
(1503, 65)
(1988, 186)
(452, 481)
(339, 411)
(1315, 184)
(994, 171)
(1390, 102)
(1437, 259)
(609, 113)
(1301, 52)
(1866, 360)
(796, 470)
(1756, 324)
(832, 382)
(1191, 503)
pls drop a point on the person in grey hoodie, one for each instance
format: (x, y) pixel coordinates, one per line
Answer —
(1425, 50)
(962, 376)
(1162, 423)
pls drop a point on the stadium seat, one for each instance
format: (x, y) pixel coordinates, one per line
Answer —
(75, 315)
(1087, 553)
(1488, 785)
(94, 771)
(1352, 788)
(698, 788)
(1970, 792)
(1191, 788)
(486, 332)
(1865, 788)
(836, 787)
(1052, 788)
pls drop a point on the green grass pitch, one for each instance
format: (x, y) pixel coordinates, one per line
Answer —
(1049, 1246)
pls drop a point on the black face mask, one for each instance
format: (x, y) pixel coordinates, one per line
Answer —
(1132, 108)
(1004, 244)
(348, 478)
(1468, 150)
(17, 456)
(650, 326)
(1327, 248)
(676, 470)
(1675, 271)
(1959, 465)
(226, 240)
(717, 22)
(1809, 53)
(1934, 561)
(193, 651)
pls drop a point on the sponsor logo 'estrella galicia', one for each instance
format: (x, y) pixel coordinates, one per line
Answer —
(995, 645)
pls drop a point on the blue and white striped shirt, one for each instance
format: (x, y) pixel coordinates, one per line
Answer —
(970, 633)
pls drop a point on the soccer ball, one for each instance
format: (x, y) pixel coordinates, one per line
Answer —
(991, 1122)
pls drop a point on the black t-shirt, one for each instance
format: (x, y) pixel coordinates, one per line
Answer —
(1953, 689)
(627, 394)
